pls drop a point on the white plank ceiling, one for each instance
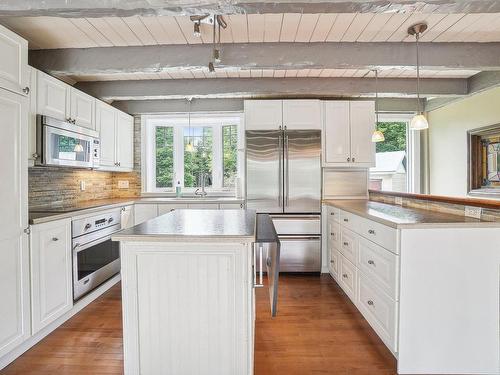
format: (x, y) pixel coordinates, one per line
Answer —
(54, 32)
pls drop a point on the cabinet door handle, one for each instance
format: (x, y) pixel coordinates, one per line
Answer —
(345, 276)
(370, 302)
(26, 90)
(55, 239)
(346, 243)
(348, 159)
(371, 231)
(346, 220)
(332, 261)
(353, 160)
(371, 262)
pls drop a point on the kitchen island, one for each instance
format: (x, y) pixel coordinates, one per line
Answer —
(188, 297)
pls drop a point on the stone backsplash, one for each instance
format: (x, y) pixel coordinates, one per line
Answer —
(487, 213)
(53, 185)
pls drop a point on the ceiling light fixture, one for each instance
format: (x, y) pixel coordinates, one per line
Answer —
(78, 148)
(197, 20)
(418, 122)
(377, 135)
(197, 32)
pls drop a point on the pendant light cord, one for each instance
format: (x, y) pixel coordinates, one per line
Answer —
(376, 94)
(417, 37)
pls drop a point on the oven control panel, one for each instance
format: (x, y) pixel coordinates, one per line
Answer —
(94, 223)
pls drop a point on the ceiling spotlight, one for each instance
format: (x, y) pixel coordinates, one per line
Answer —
(217, 55)
(197, 32)
(211, 67)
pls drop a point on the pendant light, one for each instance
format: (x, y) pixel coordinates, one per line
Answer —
(418, 122)
(377, 135)
(78, 148)
(189, 146)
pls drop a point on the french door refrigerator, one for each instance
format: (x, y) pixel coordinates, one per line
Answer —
(284, 179)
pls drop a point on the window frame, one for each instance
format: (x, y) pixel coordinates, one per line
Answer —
(412, 150)
(179, 121)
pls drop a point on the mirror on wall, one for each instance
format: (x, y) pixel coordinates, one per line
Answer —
(484, 161)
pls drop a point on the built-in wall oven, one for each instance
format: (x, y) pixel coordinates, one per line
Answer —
(63, 144)
(95, 257)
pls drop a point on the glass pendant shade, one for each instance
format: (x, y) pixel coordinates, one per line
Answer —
(189, 147)
(378, 136)
(419, 122)
(78, 148)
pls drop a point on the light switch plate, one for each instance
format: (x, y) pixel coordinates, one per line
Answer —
(123, 184)
(474, 212)
(82, 185)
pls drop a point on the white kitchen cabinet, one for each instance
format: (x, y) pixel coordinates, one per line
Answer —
(13, 62)
(51, 272)
(231, 206)
(362, 118)
(127, 217)
(302, 114)
(124, 141)
(347, 131)
(263, 114)
(144, 212)
(116, 130)
(275, 114)
(61, 101)
(203, 206)
(14, 252)
(165, 208)
(51, 96)
(82, 108)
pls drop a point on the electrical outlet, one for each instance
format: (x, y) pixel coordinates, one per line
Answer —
(474, 212)
(82, 185)
(398, 201)
(123, 184)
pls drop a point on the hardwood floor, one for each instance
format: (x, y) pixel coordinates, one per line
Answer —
(317, 331)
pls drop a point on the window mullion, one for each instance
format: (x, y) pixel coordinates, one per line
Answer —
(179, 155)
(217, 159)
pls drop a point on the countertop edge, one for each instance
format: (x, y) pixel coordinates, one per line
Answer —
(478, 224)
(181, 238)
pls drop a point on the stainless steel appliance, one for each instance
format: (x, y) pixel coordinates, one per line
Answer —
(61, 143)
(95, 257)
(284, 180)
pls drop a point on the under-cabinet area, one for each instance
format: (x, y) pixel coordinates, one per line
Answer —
(236, 188)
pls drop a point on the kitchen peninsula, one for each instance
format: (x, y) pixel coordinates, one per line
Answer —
(188, 297)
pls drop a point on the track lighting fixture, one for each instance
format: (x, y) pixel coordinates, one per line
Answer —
(196, 31)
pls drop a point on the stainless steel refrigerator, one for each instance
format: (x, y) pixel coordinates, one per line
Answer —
(284, 179)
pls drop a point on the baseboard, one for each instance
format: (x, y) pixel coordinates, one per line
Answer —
(77, 307)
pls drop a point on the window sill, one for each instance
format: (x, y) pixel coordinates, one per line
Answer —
(190, 194)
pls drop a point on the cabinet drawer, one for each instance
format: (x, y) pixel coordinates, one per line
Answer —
(349, 244)
(333, 213)
(348, 278)
(334, 262)
(333, 234)
(165, 208)
(380, 265)
(380, 234)
(379, 310)
(297, 224)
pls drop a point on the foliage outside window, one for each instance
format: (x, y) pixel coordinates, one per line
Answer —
(214, 153)
(391, 169)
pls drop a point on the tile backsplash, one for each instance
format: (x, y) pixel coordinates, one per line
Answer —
(53, 185)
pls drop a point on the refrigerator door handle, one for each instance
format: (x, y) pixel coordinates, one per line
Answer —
(280, 169)
(287, 180)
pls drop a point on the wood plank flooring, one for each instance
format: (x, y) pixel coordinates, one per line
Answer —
(317, 331)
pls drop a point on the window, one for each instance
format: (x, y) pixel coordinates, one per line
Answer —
(175, 151)
(397, 158)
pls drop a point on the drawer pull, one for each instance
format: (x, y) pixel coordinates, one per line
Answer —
(346, 243)
(332, 213)
(371, 262)
(55, 239)
(332, 261)
(371, 231)
(346, 220)
(370, 302)
(345, 276)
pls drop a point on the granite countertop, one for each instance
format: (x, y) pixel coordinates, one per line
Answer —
(43, 214)
(195, 225)
(404, 217)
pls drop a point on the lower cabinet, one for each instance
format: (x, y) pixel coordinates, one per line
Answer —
(51, 272)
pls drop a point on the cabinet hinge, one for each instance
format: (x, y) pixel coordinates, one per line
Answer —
(27, 230)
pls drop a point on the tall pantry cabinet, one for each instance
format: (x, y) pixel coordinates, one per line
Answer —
(14, 257)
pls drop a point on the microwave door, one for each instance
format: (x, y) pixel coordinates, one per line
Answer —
(65, 148)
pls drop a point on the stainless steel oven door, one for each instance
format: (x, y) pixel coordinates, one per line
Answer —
(67, 148)
(94, 263)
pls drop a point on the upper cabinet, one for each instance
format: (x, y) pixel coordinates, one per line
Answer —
(59, 100)
(116, 130)
(347, 131)
(13, 62)
(273, 114)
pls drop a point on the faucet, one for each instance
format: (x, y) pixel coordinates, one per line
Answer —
(201, 193)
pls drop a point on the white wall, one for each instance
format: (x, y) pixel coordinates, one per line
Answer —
(448, 139)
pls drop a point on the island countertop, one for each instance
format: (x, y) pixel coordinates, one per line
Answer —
(406, 217)
(195, 225)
